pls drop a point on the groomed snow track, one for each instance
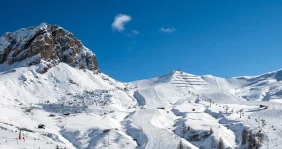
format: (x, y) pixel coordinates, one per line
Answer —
(158, 138)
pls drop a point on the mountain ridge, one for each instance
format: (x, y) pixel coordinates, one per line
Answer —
(47, 44)
(262, 87)
(82, 107)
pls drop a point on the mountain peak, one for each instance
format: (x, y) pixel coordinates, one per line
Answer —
(45, 43)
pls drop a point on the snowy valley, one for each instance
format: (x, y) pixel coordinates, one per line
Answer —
(53, 95)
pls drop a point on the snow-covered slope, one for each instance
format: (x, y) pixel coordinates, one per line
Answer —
(95, 103)
(258, 88)
(50, 78)
(264, 88)
(207, 102)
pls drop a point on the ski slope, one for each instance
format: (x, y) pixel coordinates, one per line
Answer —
(158, 96)
(180, 92)
(272, 129)
(95, 103)
(82, 108)
(99, 106)
(158, 138)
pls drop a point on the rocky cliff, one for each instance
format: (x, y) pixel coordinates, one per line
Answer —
(49, 44)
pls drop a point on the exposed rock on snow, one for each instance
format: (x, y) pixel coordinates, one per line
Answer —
(50, 43)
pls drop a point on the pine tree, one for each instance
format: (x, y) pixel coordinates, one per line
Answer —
(250, 141)
(213, 142)
(260, 137)
(184, 128)
(255, 143)
(220, 144)
(244, 136)
(180, 146)
(188, 128)
(211, 131)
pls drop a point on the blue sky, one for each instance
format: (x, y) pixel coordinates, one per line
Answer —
(220, 37)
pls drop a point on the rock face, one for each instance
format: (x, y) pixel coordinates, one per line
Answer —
(45, 43)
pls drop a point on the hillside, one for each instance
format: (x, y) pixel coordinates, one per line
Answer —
(217, 102)
(48, 77)
(54, 95)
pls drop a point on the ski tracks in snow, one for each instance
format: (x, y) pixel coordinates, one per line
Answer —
(158, 138)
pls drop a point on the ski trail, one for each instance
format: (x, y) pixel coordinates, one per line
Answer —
(157, 96)
(158, 138)
(151, 97)
(218, 84)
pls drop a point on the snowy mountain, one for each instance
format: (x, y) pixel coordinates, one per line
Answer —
(51, 44)
(54, 96)
(265, 87)
(257, 88)
(48, 77)
(195, 105)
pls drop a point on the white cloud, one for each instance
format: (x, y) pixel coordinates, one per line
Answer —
(167, 30)
(135, 33)
(120, 21)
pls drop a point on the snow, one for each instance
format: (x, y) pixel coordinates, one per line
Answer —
(158, 138)
(95, 102)
(188, 97)
(4, 43)
(84, 109)
(272, 128)
(92, 110)
(23, 35)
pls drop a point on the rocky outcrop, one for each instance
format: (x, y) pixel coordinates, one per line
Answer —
(45, 43)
